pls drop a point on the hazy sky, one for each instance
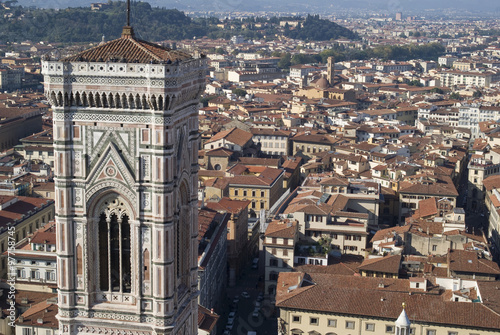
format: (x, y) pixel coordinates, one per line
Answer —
(292, 5)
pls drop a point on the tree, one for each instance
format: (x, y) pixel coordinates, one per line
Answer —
(477, 94)
(239, 92)
(285, 61)
(315, 29)
(415, 83)
(437, 90)
(455, 96)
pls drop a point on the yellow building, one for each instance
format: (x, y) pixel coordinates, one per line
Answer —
(262, 191)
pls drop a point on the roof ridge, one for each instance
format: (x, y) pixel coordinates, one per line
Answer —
(146, 50)
(36, 308)
(95, 47)
(304, 289)
(487, 265)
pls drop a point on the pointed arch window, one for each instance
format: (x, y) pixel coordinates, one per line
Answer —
(114, 253)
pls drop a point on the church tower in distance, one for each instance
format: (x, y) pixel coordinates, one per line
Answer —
(126, 163)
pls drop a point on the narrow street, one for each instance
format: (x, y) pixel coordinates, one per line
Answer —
(264, 322)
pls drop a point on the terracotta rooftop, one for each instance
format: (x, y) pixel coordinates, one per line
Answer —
(128, 49)
(45, 235)
(220, 152)
(19, 209)
(387, 264)
(389, 232)
(42, 314)
(426, 207)
(429, 185)
(285, 229)
(266, 178)
(229, 205)
(363, 296)
(468, 261)
(234, 135)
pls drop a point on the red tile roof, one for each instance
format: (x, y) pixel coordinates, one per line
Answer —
(285, 229)
(229, 205)
(266, 178)
(387, 264)
(362, 296)
(426, 207)
(233, 135)
(220, 152)
(42, 314)
(468, 261)
(389, 232)
(45, 235)
(128, 49)
(19, 209)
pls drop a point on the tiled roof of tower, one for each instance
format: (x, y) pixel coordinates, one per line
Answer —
(128, 49)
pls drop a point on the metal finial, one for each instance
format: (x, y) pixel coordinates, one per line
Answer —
(404, 305)
(128, 12)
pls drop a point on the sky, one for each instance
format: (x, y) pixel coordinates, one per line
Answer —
(391, 6)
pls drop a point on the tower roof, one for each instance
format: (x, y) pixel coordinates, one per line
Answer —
(403, 320)
(128, 49)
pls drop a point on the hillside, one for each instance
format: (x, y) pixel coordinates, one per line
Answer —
(316, 29)
(84, 25)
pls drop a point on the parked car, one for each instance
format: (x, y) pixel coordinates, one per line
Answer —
(255, 263)
(245, 295)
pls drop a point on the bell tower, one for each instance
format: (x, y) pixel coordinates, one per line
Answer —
(126, 162)
(330, 70)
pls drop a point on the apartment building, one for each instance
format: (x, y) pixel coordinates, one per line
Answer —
(262, 191)
(279, 245)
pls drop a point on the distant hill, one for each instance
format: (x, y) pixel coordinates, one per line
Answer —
(316, 29)
(84, 25)
(292, 5)
(81, 24)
